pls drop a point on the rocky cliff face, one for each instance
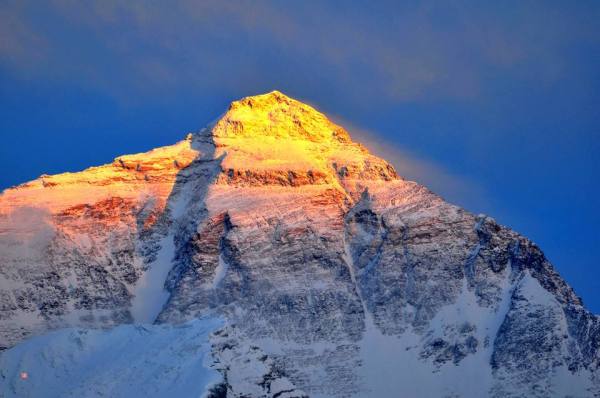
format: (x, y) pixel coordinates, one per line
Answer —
(336, 277)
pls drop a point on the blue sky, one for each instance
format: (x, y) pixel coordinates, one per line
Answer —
(493, 105)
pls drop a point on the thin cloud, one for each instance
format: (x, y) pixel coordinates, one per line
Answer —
(454, 188)
(25, 232)
(405, 53)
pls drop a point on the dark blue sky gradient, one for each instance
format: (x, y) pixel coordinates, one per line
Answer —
(496, 107)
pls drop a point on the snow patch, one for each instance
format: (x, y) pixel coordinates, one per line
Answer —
(531, 289)
(220, 271)
(150, 294)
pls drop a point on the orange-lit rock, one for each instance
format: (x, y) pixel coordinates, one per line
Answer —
(128, 177)
(272, 137)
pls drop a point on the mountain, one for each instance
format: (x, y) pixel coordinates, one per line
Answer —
(326, 273)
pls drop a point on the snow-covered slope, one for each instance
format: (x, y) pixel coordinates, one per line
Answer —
(335, 276)
(127, 361)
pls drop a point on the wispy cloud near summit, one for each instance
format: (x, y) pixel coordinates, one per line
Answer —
(455, 188)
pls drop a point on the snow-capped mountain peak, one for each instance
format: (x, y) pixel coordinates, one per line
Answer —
(333, 275)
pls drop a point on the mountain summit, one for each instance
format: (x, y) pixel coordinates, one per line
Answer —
(330, 274)
(274, 139)
(279, 116)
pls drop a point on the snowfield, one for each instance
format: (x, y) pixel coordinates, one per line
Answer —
(127, 361)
